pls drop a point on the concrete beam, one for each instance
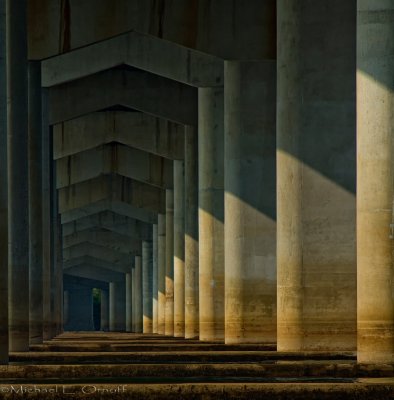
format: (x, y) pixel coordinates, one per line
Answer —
(102, 237)
(138, 50)
(117, 207)
(134, 129)
(112, 222)
(93, 261)
(137, 90)
(114, 158)
(115, 188)
(103, 253)
(97, 273)
(69, 281)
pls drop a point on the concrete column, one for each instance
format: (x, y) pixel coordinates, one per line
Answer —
(161, 274)
(375, 174)
(133, 299)
(211, 212)
(35, 204)
(250, 229)
(58, 278)
(129, 293)
(112, 308)
(18, 277)
(191, 234)
(3, 191)
(169, 319)
(80, 308)
(155, 302)
(138, 294)
(66, 305)
(179, 248)
(104, 311)
(147, 306)
(316, 175)
(47, 181)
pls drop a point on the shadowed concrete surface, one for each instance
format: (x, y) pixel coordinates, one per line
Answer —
(196, 199)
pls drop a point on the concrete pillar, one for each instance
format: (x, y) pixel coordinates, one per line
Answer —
(250, 229)
(133, 313)
(138, 294)
(375, 174)
(17, 82)
(104, 311)
(147, 306)
(211, 212)
(58, 278)
(35, 204)
(3, 191)
(66, 305)
(47, 182)
(169, 318)
(161, 274)
(80, 309)
(316, 175)
(191, 234)
(129, 293)
(179, 249)
(112, 308)
(155, 302)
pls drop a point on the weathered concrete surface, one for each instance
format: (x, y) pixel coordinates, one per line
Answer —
(3, 190)
(191, 234)
(115, 188)
(18, 175)
(155, 266)
(117, 310)
(147, 286)
(116, 207)
(211, 212)
(169, 309)
(134, 89)
(35, 204)
(375, 90)
(137, 288)
(110, 221)
(134, 129)
(129, 294)
(114, 158)
(120, 261)
(316, 175)
(140, 51)
(102, 237)
(250, 228)
(161, 274)
(179, 248)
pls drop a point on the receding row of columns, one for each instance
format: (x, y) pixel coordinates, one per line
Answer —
(217, 267)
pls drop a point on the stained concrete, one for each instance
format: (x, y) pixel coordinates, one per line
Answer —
(375, 66)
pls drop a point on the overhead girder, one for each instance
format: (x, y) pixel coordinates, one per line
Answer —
(135, 129)
(138, 50)
(103, 237)
(114, 158)
(138, 90)
(113, 188)
(110, 221)
(94, 261)
(95, 273)
(117, 207)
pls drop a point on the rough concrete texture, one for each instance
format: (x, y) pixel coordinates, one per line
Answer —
(169, 280)
(147, 294)
(375, 88)
(161, 274)
(250, 214)
(211, 212)
(316, 175)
